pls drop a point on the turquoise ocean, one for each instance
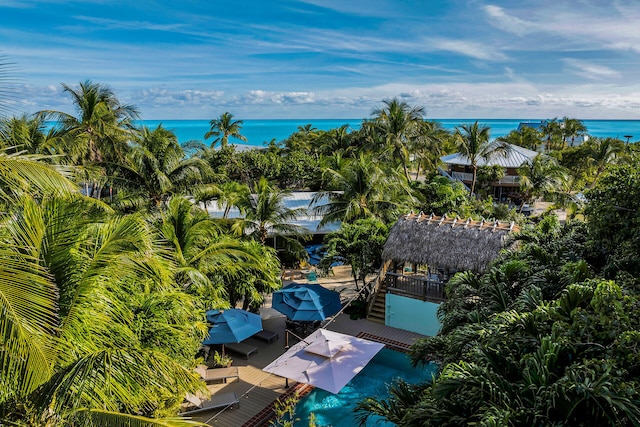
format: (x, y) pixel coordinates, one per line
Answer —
(260, 132)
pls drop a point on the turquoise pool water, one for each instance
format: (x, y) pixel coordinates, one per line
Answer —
(336, 410)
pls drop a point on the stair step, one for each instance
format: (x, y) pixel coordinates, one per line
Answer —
(378, 309)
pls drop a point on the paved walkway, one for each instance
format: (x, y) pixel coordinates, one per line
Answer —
(258, 389)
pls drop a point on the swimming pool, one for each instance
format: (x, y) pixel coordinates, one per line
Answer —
(336, 410)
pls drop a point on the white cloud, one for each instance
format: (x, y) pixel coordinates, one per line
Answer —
(178, 98)
(591, 71)
(270, 98)
(467, 48)
(113, 24)
(561, 25)
(512, 24)
(357, 7)
(470, 60)
(459, 100)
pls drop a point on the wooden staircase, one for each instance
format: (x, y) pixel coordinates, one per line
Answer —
(378, 309)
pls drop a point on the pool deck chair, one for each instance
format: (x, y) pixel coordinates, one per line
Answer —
(244, 349)
(217, 401)
(266, 336)
(218, 374)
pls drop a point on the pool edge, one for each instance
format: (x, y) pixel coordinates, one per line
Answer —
(268, 413)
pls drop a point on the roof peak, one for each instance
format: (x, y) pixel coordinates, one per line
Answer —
(456, 221)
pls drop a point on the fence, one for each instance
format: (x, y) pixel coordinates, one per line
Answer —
(425, 288)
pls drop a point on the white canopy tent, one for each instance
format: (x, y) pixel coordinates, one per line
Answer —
(325, 359)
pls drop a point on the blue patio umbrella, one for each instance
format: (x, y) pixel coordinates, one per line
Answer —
(231, 326)
(306, 302)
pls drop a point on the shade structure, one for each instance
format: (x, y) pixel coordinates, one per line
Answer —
(231, 326)
(306, 302)
(325, 359)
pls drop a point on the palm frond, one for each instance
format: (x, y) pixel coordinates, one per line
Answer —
(102, 417)
(126, 379)
(28, 319)
(27, 174)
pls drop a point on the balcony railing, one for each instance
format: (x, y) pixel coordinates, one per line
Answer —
(420, 287)
(468, 177)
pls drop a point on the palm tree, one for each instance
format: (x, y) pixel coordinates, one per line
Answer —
(224, 127)
(402, 398)
(510, 366)
(553, 131)
(256, 278)
(336, 140)
(429, 145)
(265, 213)
(601, 152)
(28, 135)
(571, 128)
(540, 177)
(472, 141)
(20, 174)
(231, 195)
(398, 124)
(100, 132)
(303, 139)
(210, 263)
(66, 283)
(359, 188)
(157, 168)
(526, 137)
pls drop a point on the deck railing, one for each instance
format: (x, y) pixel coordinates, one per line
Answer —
(420, 287)
(468, 177)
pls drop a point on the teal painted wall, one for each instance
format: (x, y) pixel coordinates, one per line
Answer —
(412, 315)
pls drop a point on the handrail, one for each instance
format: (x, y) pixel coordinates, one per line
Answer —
(413, 286)
(373, 295)
(326, 322)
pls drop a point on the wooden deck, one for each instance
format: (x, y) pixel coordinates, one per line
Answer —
(258, 389)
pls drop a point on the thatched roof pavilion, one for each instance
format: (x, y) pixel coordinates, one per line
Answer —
(449, 243)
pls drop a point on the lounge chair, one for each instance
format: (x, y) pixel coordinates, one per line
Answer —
(244, 349)
(217, 374)
(266, 336)
(217, 401)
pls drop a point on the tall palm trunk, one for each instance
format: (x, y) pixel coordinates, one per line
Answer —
(473, 180)
(263, 234)
(406, 171)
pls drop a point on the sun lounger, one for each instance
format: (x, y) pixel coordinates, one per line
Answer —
(217, 401)
(217, 374)
(266, 336)
(244, 349)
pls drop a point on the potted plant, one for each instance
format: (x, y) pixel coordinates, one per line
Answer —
(221, 360)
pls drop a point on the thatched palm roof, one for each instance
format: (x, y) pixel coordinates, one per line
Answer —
(450, 243)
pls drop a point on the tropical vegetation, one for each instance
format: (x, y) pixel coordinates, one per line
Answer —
(547, 335)
(110, 258)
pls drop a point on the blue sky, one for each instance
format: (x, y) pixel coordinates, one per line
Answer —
(331, 58)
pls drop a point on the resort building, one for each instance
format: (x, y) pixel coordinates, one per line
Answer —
(458, 167)
(294, 200)
(420, 255)
(537, 125)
